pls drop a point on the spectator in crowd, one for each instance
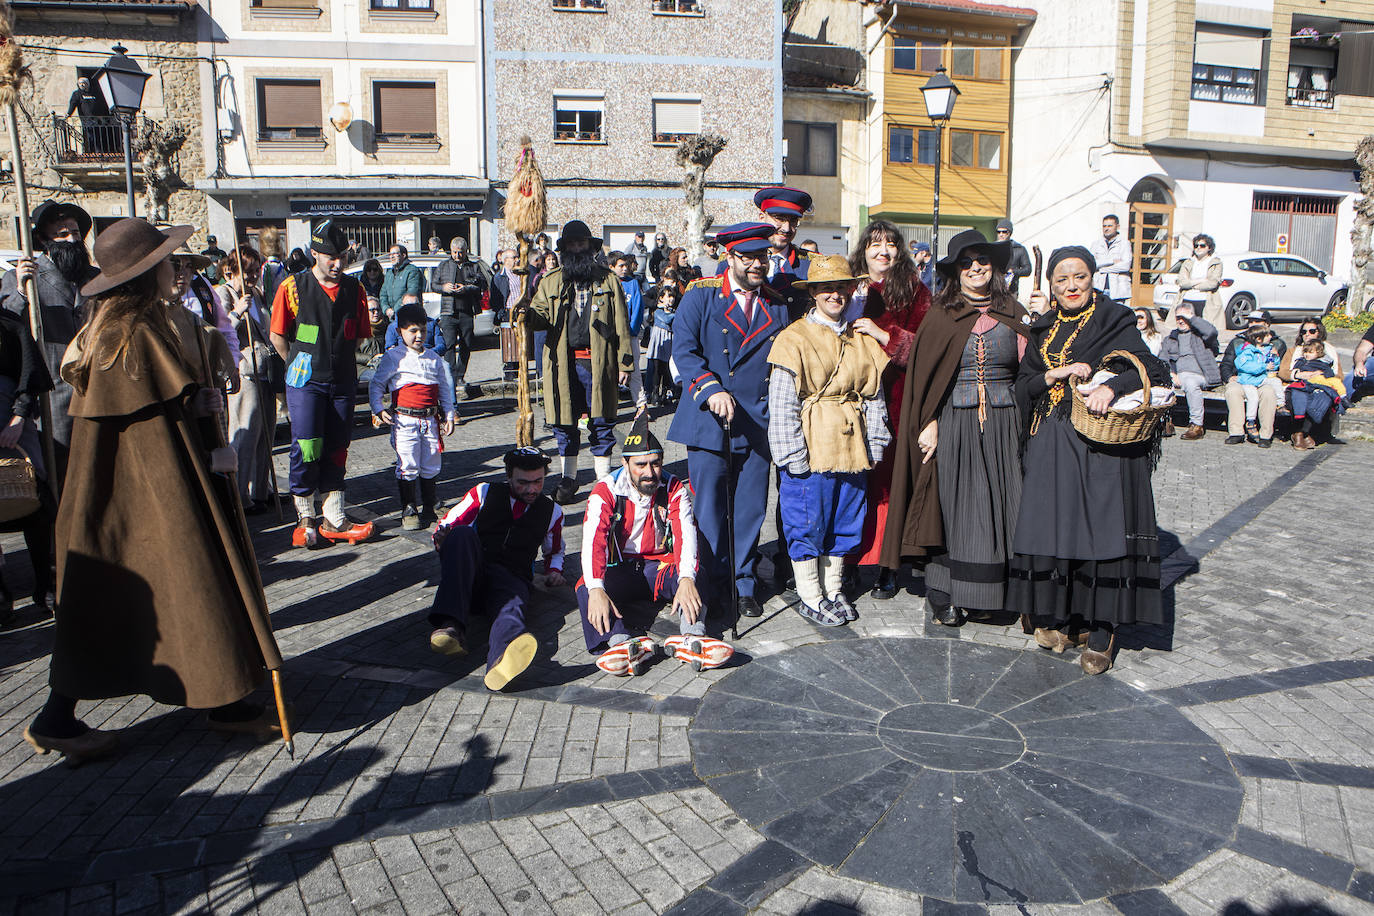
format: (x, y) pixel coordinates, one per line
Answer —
(957, 471)
(659, 379)
(435, 245)
(624, 267)
(1189, 352)
(506, 285)
(640, 252)
(370, 351)
(1019, 264)
(1149, 330)
(371, 277)
(1113, 255)
(23, 380)
(215, 254)
(252, 408)
(925, 267)
(709, 263)
(1086, 544)
(296, 262)
(197, 296)
(890, 309)
(417, 382)
(827, 428)
(273, 268)
(548, 263)
(90, 105)
(540, 250)
(1257, 368)
(402, 277)
(59, 270)
(587, 353)
(461, 283)
(357, 252)
(433, 338)
(487, 547)
(1360, 381)
(1199, 280)
(810, 245)
(639, 542)
(1268, 405)
(1315, 364)
(685, 272)
(170, 613)
(658, 258)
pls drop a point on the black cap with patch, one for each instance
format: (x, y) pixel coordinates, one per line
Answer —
(327, 238)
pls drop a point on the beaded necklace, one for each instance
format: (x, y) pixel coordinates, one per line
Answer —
(1057, 360)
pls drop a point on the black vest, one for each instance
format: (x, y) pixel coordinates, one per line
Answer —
(508, 541)
(326, 329)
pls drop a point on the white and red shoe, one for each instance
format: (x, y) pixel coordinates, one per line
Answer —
(627, 659)
(304, 534)
(701, 652)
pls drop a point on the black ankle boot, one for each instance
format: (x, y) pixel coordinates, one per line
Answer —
(410, 519)
(427, 502)
(886, 586)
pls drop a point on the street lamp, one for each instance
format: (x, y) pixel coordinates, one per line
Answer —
(121, 81)
(939, 93)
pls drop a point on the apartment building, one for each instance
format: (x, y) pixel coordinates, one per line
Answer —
(1237, 118)
(606, 89)
(368, 111)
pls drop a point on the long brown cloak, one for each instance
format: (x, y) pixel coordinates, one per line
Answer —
(155, 590)
(915, 526)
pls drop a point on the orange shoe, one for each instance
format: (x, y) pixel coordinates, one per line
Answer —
(305, 534)
(701, 652)
(351, 531)
(627, 659)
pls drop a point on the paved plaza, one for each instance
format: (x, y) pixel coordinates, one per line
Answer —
(1225, 765)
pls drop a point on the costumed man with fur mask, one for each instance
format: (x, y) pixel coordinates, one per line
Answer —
(59, 271)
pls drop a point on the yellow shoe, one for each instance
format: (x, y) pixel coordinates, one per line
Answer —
(446, 641)
(514, 661)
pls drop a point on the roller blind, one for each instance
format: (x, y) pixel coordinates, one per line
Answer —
(1355, 62)
(677, 117)
(578, 103)
(1229, 47)
(405, 108)
(290, 104)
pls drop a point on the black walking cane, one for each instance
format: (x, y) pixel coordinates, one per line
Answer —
(730, 531)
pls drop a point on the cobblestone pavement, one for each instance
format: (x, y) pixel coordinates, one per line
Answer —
(415, 790)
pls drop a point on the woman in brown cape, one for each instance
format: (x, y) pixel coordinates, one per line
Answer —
(155, 589)
(956, 479)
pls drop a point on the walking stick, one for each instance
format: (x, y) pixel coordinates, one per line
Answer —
(239, 525)
(257, 376)
(730, 531)
(1039, 263)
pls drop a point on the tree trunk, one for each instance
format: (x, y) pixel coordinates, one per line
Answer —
(1360, 234)
(696, 154)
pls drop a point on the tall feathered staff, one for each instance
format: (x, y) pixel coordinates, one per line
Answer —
(525, 214)
(13, 75)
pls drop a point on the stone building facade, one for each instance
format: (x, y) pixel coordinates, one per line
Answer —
(605, 88)
(64, 39)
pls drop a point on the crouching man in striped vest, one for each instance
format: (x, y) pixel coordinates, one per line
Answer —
(639, 543)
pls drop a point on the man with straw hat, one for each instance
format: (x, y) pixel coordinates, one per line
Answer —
(59, 271)
(827, 427)
(639, 543)
(317, 320)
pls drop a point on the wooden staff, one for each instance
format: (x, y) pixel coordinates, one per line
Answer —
(525, 213)
(1039, 266)
(524, 412)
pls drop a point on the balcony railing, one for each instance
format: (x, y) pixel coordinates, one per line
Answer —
(91, 140)
(1310, 87)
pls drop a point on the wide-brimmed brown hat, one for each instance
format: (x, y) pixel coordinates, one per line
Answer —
(832, 268)
(131, 248)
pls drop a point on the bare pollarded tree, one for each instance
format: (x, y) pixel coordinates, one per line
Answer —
(695, 155)
(1360, 234)
(156, 147)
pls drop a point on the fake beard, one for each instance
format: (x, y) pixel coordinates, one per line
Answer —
(581, 269)
(71, 259)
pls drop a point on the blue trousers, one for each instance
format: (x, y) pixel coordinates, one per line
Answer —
(1357, 388)
(1312, 403)
(822, 513)
(600, 430)
(633, 580)
(321, 430)
(709, 475)
(468, 584)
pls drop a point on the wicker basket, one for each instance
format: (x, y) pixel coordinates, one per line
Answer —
(18, 485)
(1120, 427)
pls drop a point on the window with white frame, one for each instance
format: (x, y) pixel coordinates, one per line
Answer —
(577, 117)
(1228, 64)
(676, 118)
(678, 8)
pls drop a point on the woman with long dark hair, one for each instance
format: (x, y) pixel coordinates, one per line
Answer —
(889, 308)
(956, 475)
(1086, 545)
(371, 278)
(155, 592)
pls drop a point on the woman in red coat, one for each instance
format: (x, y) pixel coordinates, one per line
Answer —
(889, 310)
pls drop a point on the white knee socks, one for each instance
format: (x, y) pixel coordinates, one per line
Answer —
(808, 575)
(305, 507)
(602, 464)
(333, 509)
(833, 575)
(567, 466)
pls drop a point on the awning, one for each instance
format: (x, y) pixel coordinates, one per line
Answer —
(395, 207)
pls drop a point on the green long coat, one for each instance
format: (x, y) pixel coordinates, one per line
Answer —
(610, 345)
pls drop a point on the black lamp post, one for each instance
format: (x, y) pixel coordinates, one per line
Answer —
(939, 93)
(121, 81)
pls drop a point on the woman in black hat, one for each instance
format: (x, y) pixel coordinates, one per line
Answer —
(1087, 548)
(957, 477)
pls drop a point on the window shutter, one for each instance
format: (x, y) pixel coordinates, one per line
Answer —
(575, 103)
(288, 104)
(1355, 62)
(405, 108)
(820, 149)
(677, 117)
(1222, 47)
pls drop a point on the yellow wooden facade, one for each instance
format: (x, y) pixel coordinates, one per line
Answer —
(976, 53)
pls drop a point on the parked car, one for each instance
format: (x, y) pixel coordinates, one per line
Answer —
(8, 258)
(483, 324)
(1288, 287)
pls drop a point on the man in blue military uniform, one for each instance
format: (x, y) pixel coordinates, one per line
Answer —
(721, 337)
(783, 209)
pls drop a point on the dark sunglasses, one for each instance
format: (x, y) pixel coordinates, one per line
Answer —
(1311, 330)
(966, 263)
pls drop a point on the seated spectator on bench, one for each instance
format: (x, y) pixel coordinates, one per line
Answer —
(1267, 398)
(1189, 352)
(1309, 369)
(1360, 381)
(1257, 369)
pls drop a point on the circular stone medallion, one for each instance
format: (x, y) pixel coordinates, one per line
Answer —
(965, 772)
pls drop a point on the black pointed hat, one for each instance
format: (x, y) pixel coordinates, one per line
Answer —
(640, 440)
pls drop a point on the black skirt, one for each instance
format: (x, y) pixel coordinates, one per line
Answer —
(1086, 543)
